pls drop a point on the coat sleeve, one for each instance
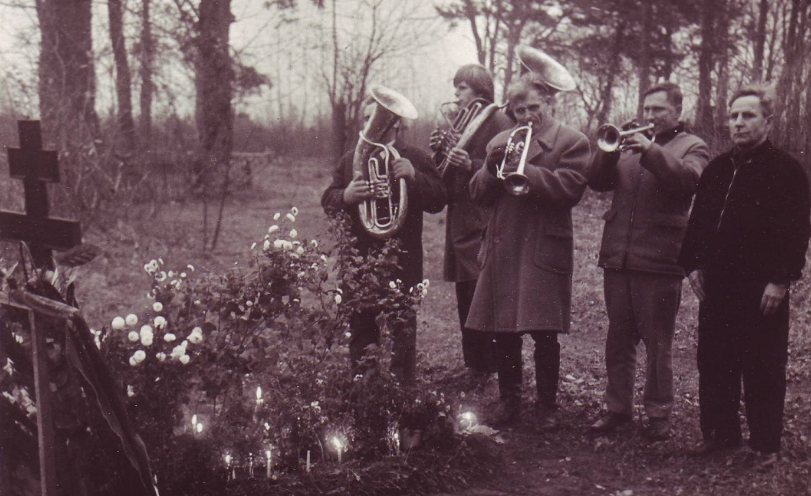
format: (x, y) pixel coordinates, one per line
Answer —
(791, 227)
(693, 255)
(563, 185)
(429, 193)
(332, 200)
(484, 186)
(602, 173)
(677, 174)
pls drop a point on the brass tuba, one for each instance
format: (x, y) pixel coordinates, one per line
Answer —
(511, 170)
(384, 213)
(553, 73)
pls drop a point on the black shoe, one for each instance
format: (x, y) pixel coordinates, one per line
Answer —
(609, 422)
(508, 413)
(658, 429)
(546, 418)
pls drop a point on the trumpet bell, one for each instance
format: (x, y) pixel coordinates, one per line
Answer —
(610, 138)
(553, 73)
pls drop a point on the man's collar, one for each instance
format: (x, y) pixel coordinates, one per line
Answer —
(743, 155)
(669, 134)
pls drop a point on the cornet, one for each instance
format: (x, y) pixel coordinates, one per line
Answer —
(515, 181)
(610, 138)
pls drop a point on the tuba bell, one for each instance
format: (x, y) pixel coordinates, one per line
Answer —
(384, 213)
(511, 170)
(551, 71)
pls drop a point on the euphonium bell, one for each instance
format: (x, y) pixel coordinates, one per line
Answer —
(458, 120)
(384, 213)
(511, 170)
(610, 138)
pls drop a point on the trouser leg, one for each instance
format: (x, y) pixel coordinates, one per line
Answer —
(477, 346)
(404, 350)
(719, 374)
(764, 378)
(655, 300)
(510, 374)
(620, 345)
(364, 333)
(547, 367)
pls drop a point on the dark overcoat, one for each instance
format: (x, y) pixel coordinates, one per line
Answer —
(465, 221)
(653, 191)
(526, 262)
(426, 193)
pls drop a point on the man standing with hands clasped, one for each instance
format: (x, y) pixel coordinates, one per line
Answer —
(653, 179)
(746, 241)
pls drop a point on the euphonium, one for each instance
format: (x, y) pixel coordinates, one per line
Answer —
(511, 170)
(456, 127)
(610, 138)
(472, 125)
(384, 213)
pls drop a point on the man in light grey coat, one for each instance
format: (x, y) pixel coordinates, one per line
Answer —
(653, 180)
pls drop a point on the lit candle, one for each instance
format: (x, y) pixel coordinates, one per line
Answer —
(308, 461)
(269, 454)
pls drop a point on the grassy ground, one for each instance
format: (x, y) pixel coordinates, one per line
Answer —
(567, 462)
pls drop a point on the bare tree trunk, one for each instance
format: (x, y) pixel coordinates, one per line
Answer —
(722, 88)
(67, 89)
(704, 117)
(645, 59)
(214, 80)
(146, 72)
(606, 94)
(123, 82)
(760, 40)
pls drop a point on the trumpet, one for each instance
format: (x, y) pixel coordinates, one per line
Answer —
(610, 138)
(384, 213)
(512, 173)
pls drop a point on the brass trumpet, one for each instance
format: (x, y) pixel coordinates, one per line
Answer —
(383, 214)
(610, 138)
(512, 173)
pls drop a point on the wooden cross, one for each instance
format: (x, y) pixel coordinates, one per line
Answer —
(36, 167)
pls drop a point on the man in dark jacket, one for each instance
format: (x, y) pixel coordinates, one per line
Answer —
(466, 220)
(653, 183)
(425, 194)
(746, 241)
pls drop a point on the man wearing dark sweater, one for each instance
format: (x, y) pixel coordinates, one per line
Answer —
(746, 241)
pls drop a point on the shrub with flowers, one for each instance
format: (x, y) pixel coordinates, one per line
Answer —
(248, 365)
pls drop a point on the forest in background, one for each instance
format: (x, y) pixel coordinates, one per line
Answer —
(178, 105)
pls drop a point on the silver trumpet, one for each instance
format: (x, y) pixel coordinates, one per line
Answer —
(610, 138)
(511, 171)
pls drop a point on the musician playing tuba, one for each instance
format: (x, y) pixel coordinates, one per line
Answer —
(465, 221)
(425, 193)
(525, 283)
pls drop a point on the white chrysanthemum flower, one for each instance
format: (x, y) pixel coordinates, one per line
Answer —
(253, 245)
(347, 334)
(338, 299)
(424, 293)
(300, 250)
(130, 391)
(426, 282)
(184, 359)
(314, 243)
(293, 233)
(133, 362)
(392, 284)
(118, 323)
(139, 356)
(131, 319)
(278, 244)
(161, 356)
(147, 340)
(291, 217)
(157, 306)
(266, 245)
(190, 267)
(287, 245)
(324, 258)
(160, 276)
(276, 216)
(195, 337)
(183, 275)
(145, 329)
(171, 273)
(133, 336)
(160, 322)
(272, 229)
(294, 210)
(169, 337)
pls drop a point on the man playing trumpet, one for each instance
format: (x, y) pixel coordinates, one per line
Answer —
(526, 256)
(653, 180)
(465, 220)
(425, 194)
